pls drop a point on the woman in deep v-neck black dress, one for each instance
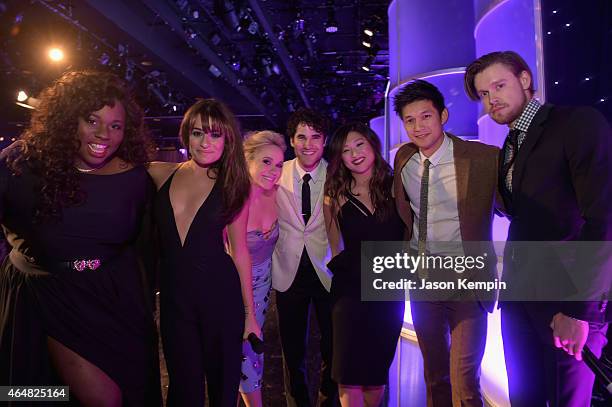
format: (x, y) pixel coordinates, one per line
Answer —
(202, 311)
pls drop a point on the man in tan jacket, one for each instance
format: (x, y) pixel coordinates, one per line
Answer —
(445, 191)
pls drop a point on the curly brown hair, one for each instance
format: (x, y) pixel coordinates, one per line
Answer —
(50, 144)
(231, 169)
(340, 180)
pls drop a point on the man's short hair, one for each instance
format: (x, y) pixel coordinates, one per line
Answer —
(415, 91)
(510, 59)
(308, 117)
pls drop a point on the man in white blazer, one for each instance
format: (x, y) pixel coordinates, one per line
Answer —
(299, 272)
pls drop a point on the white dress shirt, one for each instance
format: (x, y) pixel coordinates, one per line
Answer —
(442, 215)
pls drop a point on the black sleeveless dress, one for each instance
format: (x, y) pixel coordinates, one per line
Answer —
(102, 314)
(365, 333)
(202, 313)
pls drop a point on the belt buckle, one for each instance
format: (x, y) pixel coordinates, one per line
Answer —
(81, 265)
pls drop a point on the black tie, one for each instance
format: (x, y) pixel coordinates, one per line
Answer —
(510, 153)
(306, 198)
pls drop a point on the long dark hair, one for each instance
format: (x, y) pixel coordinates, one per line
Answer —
(231, 169)
(51, 143)
(340, 180)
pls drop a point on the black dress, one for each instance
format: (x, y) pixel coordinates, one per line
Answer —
(103, 315)
(202, 313)
(365, 333)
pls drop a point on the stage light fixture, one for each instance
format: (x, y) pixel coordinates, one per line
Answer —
(366, 44)
(56, 54)
(368, 32)
(331, 25)
(214, 70)
(28, 103)
(298, 23)
(366, 65)
(22, 96)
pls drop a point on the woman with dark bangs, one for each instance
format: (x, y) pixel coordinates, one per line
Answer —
(359, 207)
(206, 295)
(74, 192)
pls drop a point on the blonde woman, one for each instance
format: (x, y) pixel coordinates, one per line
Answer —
(264, 151)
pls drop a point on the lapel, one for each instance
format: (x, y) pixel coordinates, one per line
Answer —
(401, 196)
(319, 202)
(288, 186)
(462, 174)
(536, 128)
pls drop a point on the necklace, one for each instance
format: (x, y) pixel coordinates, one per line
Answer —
(84, 169)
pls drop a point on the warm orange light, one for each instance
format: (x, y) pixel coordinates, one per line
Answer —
(56, 54)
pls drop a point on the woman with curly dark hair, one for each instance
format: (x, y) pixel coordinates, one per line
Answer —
(73, 193)
(206, 299)
(359, 207)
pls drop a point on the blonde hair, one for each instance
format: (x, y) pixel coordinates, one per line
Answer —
(259, 139)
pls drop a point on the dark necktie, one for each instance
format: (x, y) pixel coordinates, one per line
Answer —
(306, 198)
(424, 202)
(510, 153)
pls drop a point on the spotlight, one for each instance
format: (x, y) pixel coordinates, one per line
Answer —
(253, 28)
(56, 54)
(298, 24)
(366, 44)
(367, 63)
(227, 10)
(28, 103)
(247, 24)
(368, 32)
(22, 96)
(214, 70)
(331, 25)
(235, 63)
(104, 59)
(215, 39)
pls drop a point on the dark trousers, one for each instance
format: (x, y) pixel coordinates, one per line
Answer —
(452, 336)
(539, 374)
(293, 308)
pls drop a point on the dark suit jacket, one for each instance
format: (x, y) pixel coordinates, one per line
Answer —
(562, 191)
(476, 170)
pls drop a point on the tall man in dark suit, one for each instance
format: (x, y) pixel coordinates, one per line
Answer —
(555, 171)
(445, 192)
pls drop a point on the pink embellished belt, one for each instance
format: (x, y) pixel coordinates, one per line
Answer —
(31, 265)
(82, 265)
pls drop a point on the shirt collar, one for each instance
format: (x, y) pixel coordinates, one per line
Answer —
(440, 152)
(529, 112)
(315, 174)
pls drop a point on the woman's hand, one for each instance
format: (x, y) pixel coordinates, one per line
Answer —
(14, 146)
(251, 325)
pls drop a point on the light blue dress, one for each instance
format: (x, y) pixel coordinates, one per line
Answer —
(261, 246)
